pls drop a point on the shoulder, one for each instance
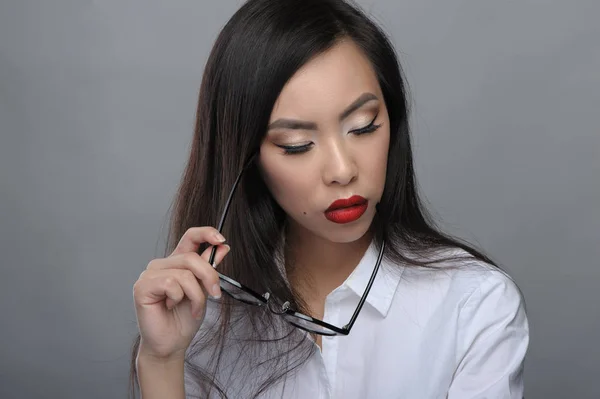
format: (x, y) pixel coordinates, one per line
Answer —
(477, 303)
(459, 274)
(458, 287)
(475, 313)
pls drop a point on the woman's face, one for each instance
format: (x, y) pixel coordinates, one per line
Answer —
(328, 140)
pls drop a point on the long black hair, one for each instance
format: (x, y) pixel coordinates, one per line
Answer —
(257, 52)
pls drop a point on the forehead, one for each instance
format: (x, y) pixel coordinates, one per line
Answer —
(328, 83)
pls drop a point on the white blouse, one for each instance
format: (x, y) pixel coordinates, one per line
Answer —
(458, 333)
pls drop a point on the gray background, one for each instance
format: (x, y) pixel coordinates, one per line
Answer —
(97, 102)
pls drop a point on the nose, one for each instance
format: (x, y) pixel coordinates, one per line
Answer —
(339, 166)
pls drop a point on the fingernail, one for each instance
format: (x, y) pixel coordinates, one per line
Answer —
(228, 248)
(220, 237)
(216, 291)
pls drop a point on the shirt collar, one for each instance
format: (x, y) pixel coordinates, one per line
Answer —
(385, 284)
(382, 291)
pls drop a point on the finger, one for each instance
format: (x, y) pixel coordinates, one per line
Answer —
(149, 291)
(170, 303)
(194, 263)
(180, 284)
(173, 291)
(195, 236)
(193, 291)
(222, 250)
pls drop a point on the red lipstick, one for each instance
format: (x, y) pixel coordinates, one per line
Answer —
(347, 210)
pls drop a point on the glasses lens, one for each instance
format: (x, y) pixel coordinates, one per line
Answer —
(235, 290)
(306, 323)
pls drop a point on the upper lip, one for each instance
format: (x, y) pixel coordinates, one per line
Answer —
(346, 202)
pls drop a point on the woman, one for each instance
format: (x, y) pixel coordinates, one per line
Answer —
(332, 281)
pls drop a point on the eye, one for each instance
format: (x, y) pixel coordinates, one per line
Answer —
(370, 128)
(295, 149)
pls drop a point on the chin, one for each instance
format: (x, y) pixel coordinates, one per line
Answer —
(334, 232)
(346, 233)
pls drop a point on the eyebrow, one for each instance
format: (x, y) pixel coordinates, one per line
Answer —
(303, 125)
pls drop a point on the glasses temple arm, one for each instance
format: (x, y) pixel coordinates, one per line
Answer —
(213, 252)
(348, 326)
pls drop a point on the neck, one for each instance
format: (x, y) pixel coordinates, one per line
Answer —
(317, 266)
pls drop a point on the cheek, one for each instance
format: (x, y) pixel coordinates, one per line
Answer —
(289, 187)
(382, 165)
(375, 164)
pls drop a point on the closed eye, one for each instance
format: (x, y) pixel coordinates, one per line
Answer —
(299, 149)
(371, 127)
(295, 149)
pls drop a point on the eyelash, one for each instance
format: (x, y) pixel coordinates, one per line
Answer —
(292, 150)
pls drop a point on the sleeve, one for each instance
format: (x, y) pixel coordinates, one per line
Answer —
(493, 338)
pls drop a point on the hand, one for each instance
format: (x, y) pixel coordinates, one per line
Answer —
(170, 295)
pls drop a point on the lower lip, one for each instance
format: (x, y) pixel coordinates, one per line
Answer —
(347, 215)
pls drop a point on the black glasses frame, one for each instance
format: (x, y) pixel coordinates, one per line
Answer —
(293, 317)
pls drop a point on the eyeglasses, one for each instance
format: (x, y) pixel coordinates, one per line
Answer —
(244, 294)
